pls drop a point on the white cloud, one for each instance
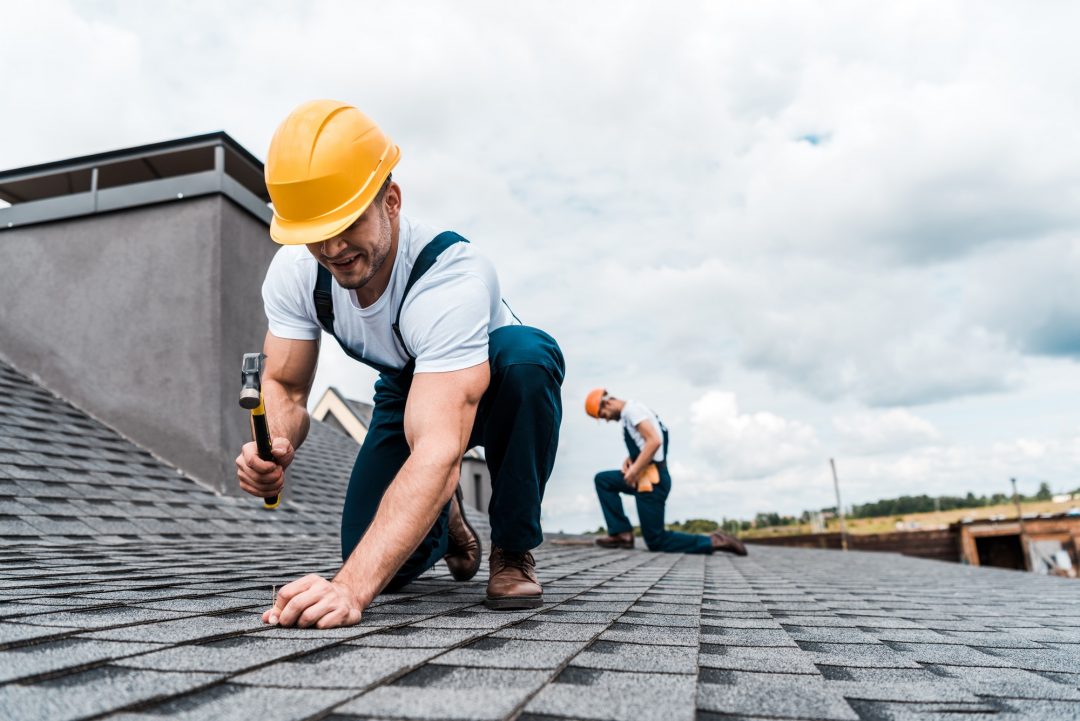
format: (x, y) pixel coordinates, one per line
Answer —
(747, 445)
(893, 430)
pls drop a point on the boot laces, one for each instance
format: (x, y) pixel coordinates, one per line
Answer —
(515, 559)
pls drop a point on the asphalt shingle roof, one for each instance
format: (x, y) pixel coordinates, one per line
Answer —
(129, 592)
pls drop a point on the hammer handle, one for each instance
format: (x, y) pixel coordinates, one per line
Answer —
(260, 429)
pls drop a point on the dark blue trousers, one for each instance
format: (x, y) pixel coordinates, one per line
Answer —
(517, 423)
(650, 508)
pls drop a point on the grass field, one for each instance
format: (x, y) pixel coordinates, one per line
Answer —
(917, 521)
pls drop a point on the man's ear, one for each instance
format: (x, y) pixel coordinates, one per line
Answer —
(392, 200)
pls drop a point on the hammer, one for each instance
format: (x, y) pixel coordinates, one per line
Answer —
(251, 398)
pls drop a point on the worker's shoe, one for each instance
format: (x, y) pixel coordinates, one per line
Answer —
(617, 540)
(513, 582)
(463, 550)
(729, 544)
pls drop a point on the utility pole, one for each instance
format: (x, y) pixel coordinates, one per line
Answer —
(839, 507)
(1020, 520)
(1016, 501)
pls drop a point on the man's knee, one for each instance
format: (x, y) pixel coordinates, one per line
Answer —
(530, 381)
(515, 348)
(606, 480)
(653, 540)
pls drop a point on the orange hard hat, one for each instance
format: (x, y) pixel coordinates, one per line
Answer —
(592, 401)
(327, 162)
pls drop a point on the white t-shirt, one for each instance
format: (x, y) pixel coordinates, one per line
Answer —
(445, 321)
(634, 413)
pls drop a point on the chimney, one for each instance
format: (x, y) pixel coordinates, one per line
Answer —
(129, 285)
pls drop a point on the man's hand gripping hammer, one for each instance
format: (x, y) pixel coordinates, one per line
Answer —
(251, 398)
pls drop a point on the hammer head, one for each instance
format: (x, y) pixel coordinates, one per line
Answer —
(251, 389)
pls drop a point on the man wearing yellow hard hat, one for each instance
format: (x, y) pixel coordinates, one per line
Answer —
(644, 476)
(456, 369)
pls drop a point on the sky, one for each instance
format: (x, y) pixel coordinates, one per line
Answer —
(797, 231)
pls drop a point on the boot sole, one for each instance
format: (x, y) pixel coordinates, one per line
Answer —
(514, 603)
(479, 543)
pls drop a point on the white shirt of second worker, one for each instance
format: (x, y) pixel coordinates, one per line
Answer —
(445, 320)
(634, 413)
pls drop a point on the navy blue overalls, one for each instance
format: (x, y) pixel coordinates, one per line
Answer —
(517, 422)
(650, 506)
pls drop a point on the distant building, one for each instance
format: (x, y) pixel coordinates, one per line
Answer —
(129, 285)
(345, 414)
(1045, 544)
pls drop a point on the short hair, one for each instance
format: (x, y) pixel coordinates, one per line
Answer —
(385, 185)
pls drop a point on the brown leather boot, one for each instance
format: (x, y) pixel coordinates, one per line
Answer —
(618, 540)
(464, 551)
(513, 583)
(723, 542)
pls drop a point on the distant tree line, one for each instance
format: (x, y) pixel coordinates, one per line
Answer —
(886, 507)
(926, 504)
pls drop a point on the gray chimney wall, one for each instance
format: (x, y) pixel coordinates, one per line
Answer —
(140, 317)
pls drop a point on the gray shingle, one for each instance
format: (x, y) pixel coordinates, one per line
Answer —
(991, 639)
(512, 653)
(1044, 659)
(937, 691)
(210, 604)
(229, 702)
(782, 696)
(92, 692)
(346, 666)
(662, 635)
(12, 632)
(718, 636)
(481, 619)
(183, 630)
(638, 658)
(592, 694)
(947, 655)
(417, 637)
(546, 631)
(828, 634)
(559, 616)
(101, 617)
(774, 660)
(445, 692)
(69, 653)
(1042, 710)
(228, 655)
(728, 622)
(1013, 683)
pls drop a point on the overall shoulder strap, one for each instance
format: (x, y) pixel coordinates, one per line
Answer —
(324, 301)
(424, 262)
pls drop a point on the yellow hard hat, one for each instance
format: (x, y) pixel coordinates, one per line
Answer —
(326, 164)
(593, 400)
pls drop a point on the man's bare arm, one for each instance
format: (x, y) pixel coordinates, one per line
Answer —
(439, 416)
(652, 445)
(286, 383)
